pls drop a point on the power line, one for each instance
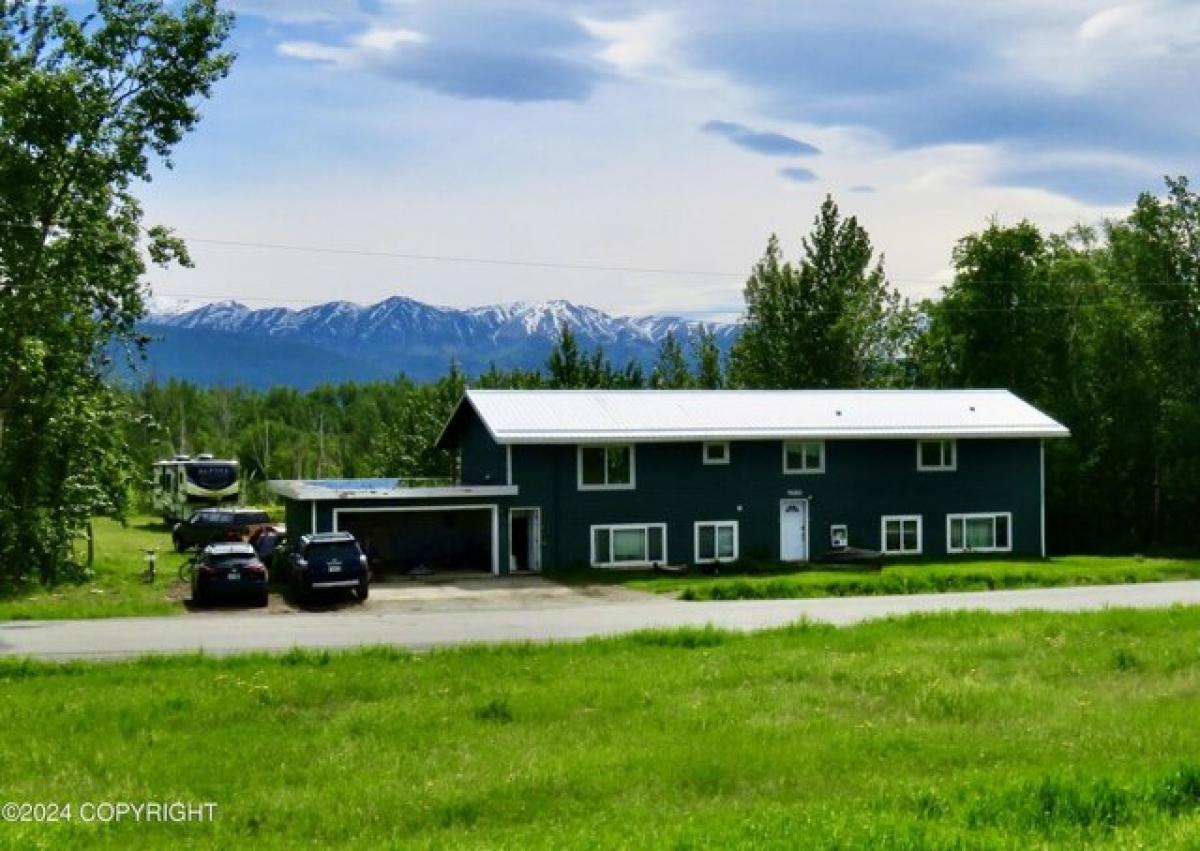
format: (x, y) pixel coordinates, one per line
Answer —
(587, 267)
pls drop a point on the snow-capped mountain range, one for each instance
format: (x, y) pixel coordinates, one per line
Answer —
(230, 343)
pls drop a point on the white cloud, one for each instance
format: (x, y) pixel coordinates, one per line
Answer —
(315, 52)
(636, 44)
(387, 38)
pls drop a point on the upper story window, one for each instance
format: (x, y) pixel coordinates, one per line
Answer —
(937, 455)
(716, 452)
(606, 468)
(804, 456)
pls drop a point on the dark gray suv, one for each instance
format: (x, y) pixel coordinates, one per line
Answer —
(329, 561)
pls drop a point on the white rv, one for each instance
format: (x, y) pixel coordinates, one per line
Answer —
(184, 483)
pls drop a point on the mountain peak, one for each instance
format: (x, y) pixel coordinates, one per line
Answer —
(402, 335)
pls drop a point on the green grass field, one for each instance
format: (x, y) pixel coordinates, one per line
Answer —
(783, 583)
(117, 588)
(955, 731)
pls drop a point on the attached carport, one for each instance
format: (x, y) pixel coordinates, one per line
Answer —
(451, 528)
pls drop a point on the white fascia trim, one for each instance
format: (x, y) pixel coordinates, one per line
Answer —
(601, 438)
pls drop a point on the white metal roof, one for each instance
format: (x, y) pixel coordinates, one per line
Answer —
(607, 416)
(336, 489)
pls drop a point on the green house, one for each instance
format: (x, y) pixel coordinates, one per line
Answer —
(610, 479)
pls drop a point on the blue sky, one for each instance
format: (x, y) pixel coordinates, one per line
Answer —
(667, 134)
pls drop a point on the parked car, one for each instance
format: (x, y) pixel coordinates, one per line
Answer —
(329, 561)
(214, 525)
(229, 571)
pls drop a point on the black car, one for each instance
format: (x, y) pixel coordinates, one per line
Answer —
(229, 571)
(214, 525)
(330, 561)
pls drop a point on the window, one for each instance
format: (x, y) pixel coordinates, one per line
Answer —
(606, 468)
(839, 536)
(804, 456)
(716, 453)
(979, 533)
(901, 535)
(936, 455)
(629, 545)
(716, 541)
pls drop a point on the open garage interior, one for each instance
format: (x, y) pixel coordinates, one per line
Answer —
(460, 539)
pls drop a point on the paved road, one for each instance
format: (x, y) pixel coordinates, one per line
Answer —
(230, 633)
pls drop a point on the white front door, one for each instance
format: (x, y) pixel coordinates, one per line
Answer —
(793, 530)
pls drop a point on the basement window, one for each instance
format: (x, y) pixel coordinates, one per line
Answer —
(716, 541)
(979, 533)
(629, 545)
(901, 535)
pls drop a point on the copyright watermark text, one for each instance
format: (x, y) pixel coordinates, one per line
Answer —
(106, 812)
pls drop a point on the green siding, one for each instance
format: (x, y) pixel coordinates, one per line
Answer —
(863, 481)
(483, 461)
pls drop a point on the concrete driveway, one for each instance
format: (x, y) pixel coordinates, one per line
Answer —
(236, 632)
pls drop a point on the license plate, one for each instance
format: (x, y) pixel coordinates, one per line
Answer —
(335, 568)
(233, 576)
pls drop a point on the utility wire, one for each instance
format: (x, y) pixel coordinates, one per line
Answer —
(582, 266)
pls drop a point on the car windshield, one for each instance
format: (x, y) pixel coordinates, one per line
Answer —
(343, 551)
(213, 518)
(212, 476)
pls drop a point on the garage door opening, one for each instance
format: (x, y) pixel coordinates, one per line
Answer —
(459, 539)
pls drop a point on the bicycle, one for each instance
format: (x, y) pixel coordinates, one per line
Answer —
(187, 570)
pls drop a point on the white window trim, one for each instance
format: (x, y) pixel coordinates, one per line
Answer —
(788, 471)
(715, 523)
(845, 529)
(606, 446)
(901, 518)
(613, 527)
(950, 518)
(939, 468)
(704, 452)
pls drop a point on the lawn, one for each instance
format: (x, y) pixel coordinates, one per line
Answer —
(788, 582)
(117, 588)
(967, 731)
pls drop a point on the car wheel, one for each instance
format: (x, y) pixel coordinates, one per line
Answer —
(362, 591)
(199, 600)
(262, 600)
